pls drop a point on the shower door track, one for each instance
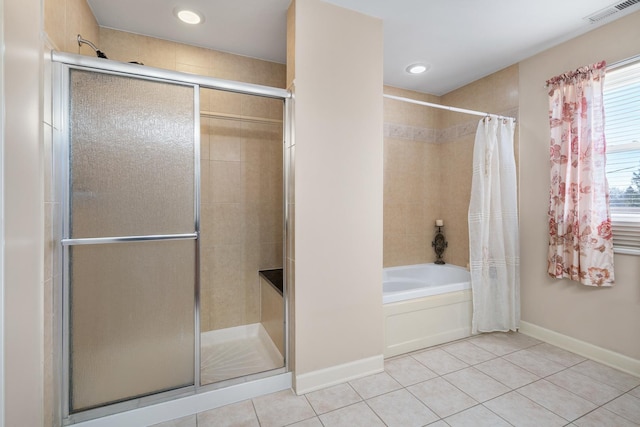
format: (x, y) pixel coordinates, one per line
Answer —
(168, 75)
(154, 407)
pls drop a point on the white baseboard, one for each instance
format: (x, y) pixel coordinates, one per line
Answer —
(593, 352)
(316, 380)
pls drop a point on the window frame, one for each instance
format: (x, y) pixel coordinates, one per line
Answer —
(625, 222)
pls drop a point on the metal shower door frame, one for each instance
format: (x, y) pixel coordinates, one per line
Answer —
(62, 64)
(63, 146)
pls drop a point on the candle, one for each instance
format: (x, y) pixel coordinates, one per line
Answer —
(439, 223)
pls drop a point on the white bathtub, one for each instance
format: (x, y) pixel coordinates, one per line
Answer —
(425, 305)
(422, 280)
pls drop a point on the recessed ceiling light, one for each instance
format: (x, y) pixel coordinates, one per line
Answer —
(188, 16)
(417, 68)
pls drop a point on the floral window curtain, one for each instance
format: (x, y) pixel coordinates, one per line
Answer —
(580, 238)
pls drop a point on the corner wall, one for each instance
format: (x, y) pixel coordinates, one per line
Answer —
(22, 214)
(606, 318)
(338, 194)
(63, 20)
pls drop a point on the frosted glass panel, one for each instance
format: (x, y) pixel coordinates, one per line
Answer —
(132, 320)
(132, 156)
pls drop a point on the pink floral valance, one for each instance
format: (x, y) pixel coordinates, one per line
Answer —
(580, 73)
(580, 239)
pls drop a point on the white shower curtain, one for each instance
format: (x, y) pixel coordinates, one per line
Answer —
(493, 229)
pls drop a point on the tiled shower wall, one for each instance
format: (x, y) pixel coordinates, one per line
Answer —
(428, 166)
(63, 21)
(241, 207)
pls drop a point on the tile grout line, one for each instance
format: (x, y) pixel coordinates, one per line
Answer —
(255, 412)
(566, 368)
(374, 411)
(456, 387)
(615, 398)
(441, 376)
(510, 389)
(514, 389)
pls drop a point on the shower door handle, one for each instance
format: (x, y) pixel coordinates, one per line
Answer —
(128, 239)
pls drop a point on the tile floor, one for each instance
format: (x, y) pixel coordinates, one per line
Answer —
(501, 379)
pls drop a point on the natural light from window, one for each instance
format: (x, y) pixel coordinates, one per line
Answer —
(622, 132)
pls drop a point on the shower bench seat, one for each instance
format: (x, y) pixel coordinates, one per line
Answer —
(272, 305)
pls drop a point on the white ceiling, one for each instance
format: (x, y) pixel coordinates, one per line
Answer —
(462, 40)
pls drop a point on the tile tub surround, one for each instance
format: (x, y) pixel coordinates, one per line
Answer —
(485, 380)
(421, 144)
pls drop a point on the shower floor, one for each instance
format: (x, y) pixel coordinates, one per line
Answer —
(236, 352)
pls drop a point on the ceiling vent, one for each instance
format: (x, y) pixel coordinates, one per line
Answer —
(611, 10)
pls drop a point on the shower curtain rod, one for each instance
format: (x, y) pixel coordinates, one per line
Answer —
(446, 107)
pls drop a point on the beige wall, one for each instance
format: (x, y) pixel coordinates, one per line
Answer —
(608, 318)
(23, 218)
(123, 46)
(338, 186)
(291, 44)
(420, 183)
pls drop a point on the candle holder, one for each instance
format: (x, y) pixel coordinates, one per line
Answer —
(439, 244)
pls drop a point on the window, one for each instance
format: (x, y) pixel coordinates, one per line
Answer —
(622, 132)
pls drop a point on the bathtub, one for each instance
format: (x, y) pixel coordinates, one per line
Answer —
(425, 305)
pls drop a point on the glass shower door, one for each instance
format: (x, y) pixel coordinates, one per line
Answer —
(130, 238)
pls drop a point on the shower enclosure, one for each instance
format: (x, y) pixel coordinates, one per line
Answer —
(173, 216)
(241, 232)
